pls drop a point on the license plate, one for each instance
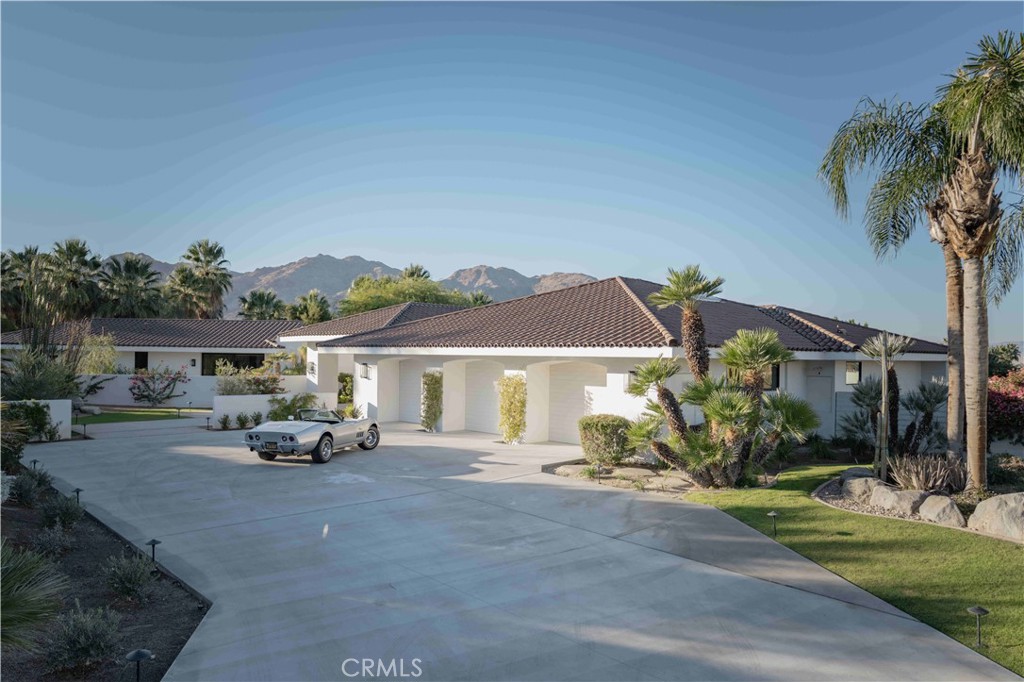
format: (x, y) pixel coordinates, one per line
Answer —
(270, 446)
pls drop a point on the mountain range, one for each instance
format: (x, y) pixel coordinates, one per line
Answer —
(333, 276)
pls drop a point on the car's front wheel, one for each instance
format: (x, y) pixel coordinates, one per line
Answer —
(324, 450)
(267, 456)
(371, 439)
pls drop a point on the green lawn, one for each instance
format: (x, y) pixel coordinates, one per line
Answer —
(930, 572)
(131, 415)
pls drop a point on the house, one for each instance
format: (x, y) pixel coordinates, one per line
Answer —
(577, 348)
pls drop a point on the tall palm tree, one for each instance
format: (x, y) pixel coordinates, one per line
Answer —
(310, 308)
(73, 271)
(752, 353)
(185, 295)
(984, 107)
(130, 288)
(479, 298)
(207, 262)
(261, 304)
(15, 270)
(415, 271)
(655, 374)
(687, 289)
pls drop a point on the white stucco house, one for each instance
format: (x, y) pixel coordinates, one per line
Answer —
(577, 347)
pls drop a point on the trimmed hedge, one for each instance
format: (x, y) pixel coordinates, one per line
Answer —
(603, 438)
(433, 399)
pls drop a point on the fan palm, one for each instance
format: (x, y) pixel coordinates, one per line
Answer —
(261, 304)
(73, 271)
(310, 308)
(479, 298)
(655, 374)
(687, 288)
(752, 353)
(15, 269)
(783, 417)
(207, 262)
(129, 287)
(415, 271)
(184, 294)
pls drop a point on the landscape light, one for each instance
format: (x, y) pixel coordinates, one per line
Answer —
(978, 612)
(78, 496)
(153, 543)
(137, 657)
(773, 515)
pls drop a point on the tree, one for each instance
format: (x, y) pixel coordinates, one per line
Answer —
(206, 261)
(752, 353)
(156, 386)
(655, 374)
(15, 268)
(310, 308)
(1003, 359)
(367, 293)
(129, 288)
(479, 298)
(687, 289)
(99, 355)
(73, 271)
(415, 271)
(183, 294)
(885, 348)
(261, 304)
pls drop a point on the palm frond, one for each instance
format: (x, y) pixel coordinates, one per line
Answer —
(686, 288)
(788, 416)
(1006, 258)
(652, 373)
(754, 350)
(892, 345)
(698, 392)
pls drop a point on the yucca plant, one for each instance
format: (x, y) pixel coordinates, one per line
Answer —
(687, 288)
(31, 595)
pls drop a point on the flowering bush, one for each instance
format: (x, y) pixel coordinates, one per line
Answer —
(1006, 407)
(155, 387)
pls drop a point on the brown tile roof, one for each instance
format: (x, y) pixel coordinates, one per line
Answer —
(373, 319)
(183, 333)
(610, 313)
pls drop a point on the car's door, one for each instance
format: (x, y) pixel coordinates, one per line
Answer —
(345, 431)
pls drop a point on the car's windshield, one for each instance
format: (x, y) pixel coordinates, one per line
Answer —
(318, 416)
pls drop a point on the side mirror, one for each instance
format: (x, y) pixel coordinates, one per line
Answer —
(291, 417)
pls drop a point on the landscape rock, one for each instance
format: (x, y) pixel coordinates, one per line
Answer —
(942, 510)
(1002, 515)
(859, 489)
(855, 472)
(905, 502)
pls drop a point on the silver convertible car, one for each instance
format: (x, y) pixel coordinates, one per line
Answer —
(318, 433)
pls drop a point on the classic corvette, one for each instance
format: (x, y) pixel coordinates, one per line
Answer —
(318, 433)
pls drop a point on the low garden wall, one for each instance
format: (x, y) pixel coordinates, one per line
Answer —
(231, 405)
(60, 414)
(200, 391)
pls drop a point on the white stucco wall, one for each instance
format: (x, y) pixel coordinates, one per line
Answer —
(199, 391)
(60, 415)
(232, 405)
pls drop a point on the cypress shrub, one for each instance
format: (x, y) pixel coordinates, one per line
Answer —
(433, 396)
(603, 438)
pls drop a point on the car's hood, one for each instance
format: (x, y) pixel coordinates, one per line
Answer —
(285, 427)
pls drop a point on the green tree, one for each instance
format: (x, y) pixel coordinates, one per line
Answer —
(261, 304)
(415, 271)
(687, 288)
(98, 355)
(367, 293)
(479, 298)
(183, 294)
(310, 308)
(1003, 359)
(751, 353)
(212, 278)
(655, 374)
(130, 288)
(73, 271)
(15, 268)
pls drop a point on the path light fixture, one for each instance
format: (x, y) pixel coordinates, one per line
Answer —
(78, 496)
(84, 428)
(137, 657)
(207, 423)
(153, 543)
(34, 462)
(978, 612)
(179, 412)
(190, 407)
(773, 515)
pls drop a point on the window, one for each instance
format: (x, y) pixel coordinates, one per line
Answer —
(239, 360)
(852, 373)
(771, 379)
(142, 360)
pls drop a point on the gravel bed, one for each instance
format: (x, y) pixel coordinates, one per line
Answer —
(832, 493)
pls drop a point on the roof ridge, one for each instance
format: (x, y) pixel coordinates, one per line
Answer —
(669, 338)
(817, 327)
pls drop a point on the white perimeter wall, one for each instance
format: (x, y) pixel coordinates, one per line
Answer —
(199, 391)
(60, 415)
(232, 405)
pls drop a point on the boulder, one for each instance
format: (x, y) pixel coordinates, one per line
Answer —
(1002, 515)
(859, 489)
(904, 502)
(941, 510)
(855, 472)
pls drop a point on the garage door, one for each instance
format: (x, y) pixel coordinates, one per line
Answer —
(568, 398)
(482, 396)
(410, 377)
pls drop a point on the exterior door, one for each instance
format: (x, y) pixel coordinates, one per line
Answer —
(820, 393)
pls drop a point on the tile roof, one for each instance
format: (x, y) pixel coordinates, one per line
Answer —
(611, 313)
(156, 332)
(373, 319)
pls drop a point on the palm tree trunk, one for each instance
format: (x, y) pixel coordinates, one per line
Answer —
(673, 412)
(955, 351)
(976, 368)
(694, 344)
(894, 411)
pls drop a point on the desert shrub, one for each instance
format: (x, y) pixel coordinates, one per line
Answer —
(63, 510)
(256, 418)
(35, 416)
(929, 473)
(13, 436)
(25, 491)
(42, 477)
(129, 576)
(224, 421)
(52, 542)
(242, 419)
(512, 407)
(83, 638)
(433, 396)
(820, 448)
(282, 408)
(589, 471)
(783, 453)
(232, 380)
(30, 589)
(33, 375)
(344, 387)
(1006, 407)
(155, 387)
(352, 412)
(603, 439)
(99, 355)
(1005, 470)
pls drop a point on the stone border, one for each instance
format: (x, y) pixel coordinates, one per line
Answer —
(814, 496)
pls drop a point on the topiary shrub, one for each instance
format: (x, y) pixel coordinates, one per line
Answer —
(512, 407)
(432, 396)
(83, 638)
(224, 422)
(63, 510)
(128, 576)
(603, 439)
(282, 408)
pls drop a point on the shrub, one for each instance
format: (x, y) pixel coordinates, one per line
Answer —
(344, 387)
(30, 589)
(1006, 407)
(603, 439)
(242, 419)
(13, 436)
(83, 638)
(5, 486)
(256, 418)
(99, 355)
(1005, 470)
(42, 477)
(32, 375)
(63, 510)
(224, 421)
(34, 415)
(282, 408)
(820, 449)
(512, 407)
(928, 473)
(433, 396)
(232, 380)
(25, 491)
(52, 542)
(155, 387)
(129, 576)
(352, 412)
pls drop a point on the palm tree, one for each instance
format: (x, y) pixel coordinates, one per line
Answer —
(655, 374)
(15, 268)
(184, 294)
(261, 304)
(310, 308)
(752, 353)
(73, 270)
(686, 289)
(207, 262)
(129, 287)
(415, 271)
(479, 298)
(984, 108)
(886, 348)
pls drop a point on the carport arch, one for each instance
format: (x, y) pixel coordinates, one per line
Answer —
(558, 393)
(470, 395)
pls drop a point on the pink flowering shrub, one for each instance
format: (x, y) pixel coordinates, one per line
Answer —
(1006, 407)
(155, 387)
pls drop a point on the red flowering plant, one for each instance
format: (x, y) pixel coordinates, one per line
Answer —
(1006, 407)
(155, 387)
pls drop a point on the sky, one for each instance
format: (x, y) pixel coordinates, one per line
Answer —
(606, 138)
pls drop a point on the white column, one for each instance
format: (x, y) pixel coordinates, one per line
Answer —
(453, 417)
(538, 382)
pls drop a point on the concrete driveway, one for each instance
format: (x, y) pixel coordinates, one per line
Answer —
(452, 556)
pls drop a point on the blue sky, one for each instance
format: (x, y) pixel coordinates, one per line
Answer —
(602, 138)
